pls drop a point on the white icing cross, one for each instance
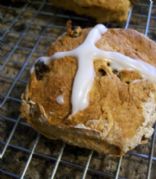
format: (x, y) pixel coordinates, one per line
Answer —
(86, 53)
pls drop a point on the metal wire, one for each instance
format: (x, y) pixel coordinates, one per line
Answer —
(151, 155)
(87, 165)
(30, 156)
(118, 168)
(149, 17)
(129, 18)
(58, 161)
(85, 170)
(24, 64)
(21, 37)
(9, 138)
(14, 22)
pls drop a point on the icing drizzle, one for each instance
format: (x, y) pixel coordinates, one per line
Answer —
(60, 99)
(86, 53)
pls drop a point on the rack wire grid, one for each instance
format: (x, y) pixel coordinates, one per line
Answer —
(26, 31)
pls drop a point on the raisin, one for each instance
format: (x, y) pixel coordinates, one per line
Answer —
(102, 72)
(40, 69)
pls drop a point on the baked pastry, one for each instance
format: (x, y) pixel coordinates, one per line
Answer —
(96, 89)
(101, 10)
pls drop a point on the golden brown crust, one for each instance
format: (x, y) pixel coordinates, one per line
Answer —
(115, 112)
(101, 10)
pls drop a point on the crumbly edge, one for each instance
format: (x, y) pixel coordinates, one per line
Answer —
(146, 130)
(88, 138)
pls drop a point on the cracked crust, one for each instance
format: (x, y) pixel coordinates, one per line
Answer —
(122, 105)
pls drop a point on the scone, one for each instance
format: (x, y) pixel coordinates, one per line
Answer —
(96, 89)
(101, 10)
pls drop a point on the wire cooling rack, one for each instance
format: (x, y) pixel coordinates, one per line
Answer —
(26, 31)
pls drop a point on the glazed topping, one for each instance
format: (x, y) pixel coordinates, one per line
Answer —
(60, 99)
(86, 53)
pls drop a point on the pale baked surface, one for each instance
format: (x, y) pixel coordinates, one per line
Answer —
(101, 10)
(121, 110)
